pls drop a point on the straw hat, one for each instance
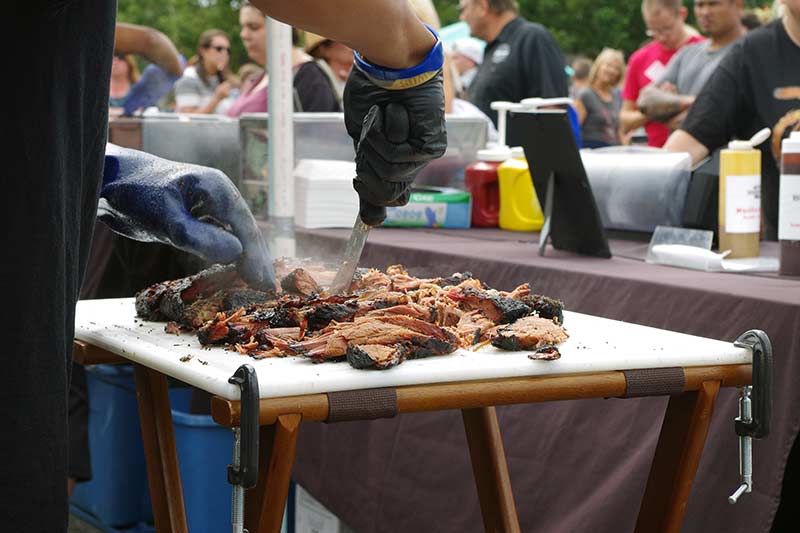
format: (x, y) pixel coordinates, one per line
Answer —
(312, 41)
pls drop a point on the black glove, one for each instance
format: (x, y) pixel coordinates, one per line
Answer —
(392, 146)
(193, 208)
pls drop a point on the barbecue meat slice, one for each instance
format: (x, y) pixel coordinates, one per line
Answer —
(530, 333)
(168, 300)
(205, 309)
(300, 282)
(497, 308)
(471, 328)
(545, 307)
(369, 279)
(375, 356)
(319, 316)
(420, 338)
(455, 279)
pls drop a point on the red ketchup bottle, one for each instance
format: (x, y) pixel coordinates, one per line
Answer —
(480, 179)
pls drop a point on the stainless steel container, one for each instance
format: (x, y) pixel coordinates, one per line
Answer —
(323, 136)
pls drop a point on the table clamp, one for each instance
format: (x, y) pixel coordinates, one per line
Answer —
(755, 406)
(243, 473)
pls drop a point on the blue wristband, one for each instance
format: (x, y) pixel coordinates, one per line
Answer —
(398, 79)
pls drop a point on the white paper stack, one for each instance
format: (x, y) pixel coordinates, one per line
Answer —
(324, 194)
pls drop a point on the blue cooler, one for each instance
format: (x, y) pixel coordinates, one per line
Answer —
(113, 499)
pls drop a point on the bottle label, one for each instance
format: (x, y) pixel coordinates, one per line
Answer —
(743, 204)
(789, 208)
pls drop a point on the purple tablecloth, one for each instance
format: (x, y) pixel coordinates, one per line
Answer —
(574, 465)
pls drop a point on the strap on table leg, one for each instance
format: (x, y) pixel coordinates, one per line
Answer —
(368, 404)
(654, 382)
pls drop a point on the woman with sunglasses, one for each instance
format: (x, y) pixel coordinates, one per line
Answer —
(207, 82)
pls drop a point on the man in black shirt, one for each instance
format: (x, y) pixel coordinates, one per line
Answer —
(521, 59)
(756, 85)
(54, 167)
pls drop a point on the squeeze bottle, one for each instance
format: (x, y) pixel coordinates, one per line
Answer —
(788, 206)
(480, 177)
(519, 206)
(740, 196)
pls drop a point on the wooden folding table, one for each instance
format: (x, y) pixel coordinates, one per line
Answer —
(602, 359)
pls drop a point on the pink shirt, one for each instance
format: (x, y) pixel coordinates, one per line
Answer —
(645, 66)
(250, 101)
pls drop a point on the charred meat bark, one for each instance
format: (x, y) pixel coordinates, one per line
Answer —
(530, 333)
(168, 300)
(300, 282)
(545, 307)
(497, 308)
(375, 356)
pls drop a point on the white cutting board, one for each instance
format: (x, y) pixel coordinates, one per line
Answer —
(595, 345)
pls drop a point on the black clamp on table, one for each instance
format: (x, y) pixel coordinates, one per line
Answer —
(755, 406)
(245, 473)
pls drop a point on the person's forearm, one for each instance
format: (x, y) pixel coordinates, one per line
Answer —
(631, 119)
(385, 32)
(150, 44)
(660, 105)
(682, 141)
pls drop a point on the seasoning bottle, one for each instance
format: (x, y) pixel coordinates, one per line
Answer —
(519, 206)
(480, 179)
(740, 196)
(789, 206)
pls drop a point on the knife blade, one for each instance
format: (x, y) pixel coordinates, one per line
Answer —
(396, 130)
(352, 254)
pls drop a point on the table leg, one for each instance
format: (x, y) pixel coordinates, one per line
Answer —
(490, 469)
(265, 503)
(158, 436)
(680, 445)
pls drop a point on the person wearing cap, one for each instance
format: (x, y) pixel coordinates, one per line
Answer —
(521, 59)
(467, 56)
(58, 164)
(320, 82)
(755, 86)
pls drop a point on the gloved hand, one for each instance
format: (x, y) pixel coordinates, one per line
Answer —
(387, 158)
(193, 208)
(153, 85)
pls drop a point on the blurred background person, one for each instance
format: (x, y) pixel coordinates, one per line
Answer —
(254, 37)
(599, 104)
(666, 24)
(323, 78)
(166, 65)
(207, 82)
(581, 66)
(124, 74)
(750, 19)
(670, 97)
(521, 60)
(248, 75)
(466, 56)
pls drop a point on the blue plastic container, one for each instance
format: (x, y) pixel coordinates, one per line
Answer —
(204, 451)
(114, 495)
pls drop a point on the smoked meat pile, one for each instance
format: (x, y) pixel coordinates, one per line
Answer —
(384, 318)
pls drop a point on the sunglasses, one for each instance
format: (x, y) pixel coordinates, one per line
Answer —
(220, 49)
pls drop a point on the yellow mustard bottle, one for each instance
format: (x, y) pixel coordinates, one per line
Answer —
(519, 206)
(740, 197)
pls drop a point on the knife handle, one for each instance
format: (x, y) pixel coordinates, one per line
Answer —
(371, 215)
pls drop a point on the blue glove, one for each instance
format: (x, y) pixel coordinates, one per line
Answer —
(193, 208)
(153, 85)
